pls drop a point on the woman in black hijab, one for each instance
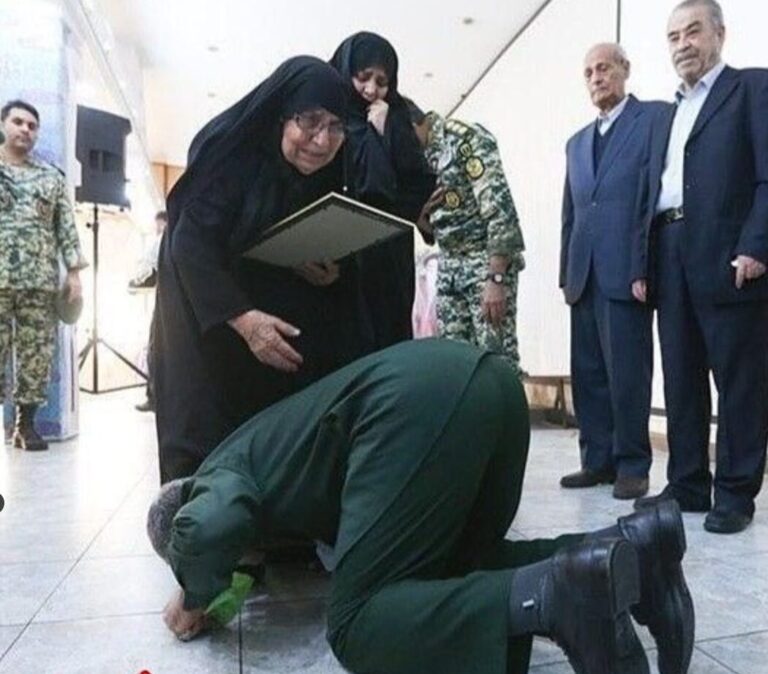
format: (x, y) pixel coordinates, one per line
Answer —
(386, 169)
(234, 335)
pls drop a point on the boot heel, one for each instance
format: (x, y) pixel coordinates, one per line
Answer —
(614, 582)
(595, 585)
(624, 577)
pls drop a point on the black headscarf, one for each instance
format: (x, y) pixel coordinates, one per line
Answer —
(367, 50)
(238, 183)
(358, 52)
(223, 146)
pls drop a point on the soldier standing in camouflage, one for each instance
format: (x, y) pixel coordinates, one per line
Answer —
(36, 225)
(473, 220)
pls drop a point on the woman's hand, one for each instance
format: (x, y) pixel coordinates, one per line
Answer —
(319, 273)
(377, 115)
(265, 335)
(184, 624)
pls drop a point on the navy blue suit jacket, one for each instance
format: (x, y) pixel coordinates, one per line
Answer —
(725, 181)
(604, 209)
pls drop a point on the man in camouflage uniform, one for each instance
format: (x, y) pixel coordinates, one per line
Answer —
(36, 225)
(473, 220)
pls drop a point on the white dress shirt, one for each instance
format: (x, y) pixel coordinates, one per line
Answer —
(689, 105)
(605, 120)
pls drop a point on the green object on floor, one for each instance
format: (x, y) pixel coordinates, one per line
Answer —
(228, 603)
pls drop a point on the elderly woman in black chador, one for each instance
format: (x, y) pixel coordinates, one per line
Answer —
(387, 170)
(234, 335)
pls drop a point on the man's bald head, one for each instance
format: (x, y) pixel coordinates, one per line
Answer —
(606, 71)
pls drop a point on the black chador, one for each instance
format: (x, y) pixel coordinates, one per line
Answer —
(389, 172)
(237, 184)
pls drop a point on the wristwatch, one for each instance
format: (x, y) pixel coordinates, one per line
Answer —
(498, 279)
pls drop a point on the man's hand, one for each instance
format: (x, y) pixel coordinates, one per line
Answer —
(377, 115)
(433, 202)
(319, 273)
(640, 290)
(265, 335)
(494, 303)
(73, 286)
(747, 269)
(184, 624)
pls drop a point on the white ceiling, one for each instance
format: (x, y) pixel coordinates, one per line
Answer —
(185, 82)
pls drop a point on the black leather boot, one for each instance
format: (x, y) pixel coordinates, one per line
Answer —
(25, 436)
(581, 600)
(665, 606)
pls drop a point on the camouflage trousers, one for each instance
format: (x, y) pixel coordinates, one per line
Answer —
(28, 328)
(460, 284)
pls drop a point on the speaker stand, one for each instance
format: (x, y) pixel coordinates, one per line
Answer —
(94, 341)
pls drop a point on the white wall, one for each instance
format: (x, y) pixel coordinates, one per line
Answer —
(533, 100)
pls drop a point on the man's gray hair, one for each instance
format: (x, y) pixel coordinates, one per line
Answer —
(714, 8)
(161, 514)
(618, 53)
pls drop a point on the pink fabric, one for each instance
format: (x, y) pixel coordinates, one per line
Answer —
(424, 305)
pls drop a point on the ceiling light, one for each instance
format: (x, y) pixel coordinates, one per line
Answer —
(213, 48)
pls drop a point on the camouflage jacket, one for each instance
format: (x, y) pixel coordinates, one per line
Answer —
(478, 214)
(36, 224)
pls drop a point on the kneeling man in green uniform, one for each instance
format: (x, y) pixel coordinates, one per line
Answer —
(409, 463)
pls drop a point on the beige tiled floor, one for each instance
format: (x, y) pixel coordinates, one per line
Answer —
(81, 591)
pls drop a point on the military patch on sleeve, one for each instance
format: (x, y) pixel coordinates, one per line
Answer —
(458, 128)
(44, 209)
(452, 199)
(475, 167)
(465, 150)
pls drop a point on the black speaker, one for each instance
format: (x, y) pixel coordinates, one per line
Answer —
(100, 149)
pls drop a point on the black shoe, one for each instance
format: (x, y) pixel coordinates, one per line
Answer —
(722, 521)
(25, 436)
(146, 406)
(629, 487)
(593, 586)
(665, 604)
(587, 478)
(687, 504)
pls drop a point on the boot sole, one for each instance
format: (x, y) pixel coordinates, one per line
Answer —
(614, 584)
(612, 588)
(672, 542)
(672, 546)
(683, 606)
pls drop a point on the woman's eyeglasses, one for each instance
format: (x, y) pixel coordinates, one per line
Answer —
(313, 123)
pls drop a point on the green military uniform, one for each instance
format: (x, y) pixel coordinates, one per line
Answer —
(36, 225)
(476, 220)
(410, 463)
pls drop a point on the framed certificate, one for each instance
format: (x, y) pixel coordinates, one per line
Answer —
(328, 229)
